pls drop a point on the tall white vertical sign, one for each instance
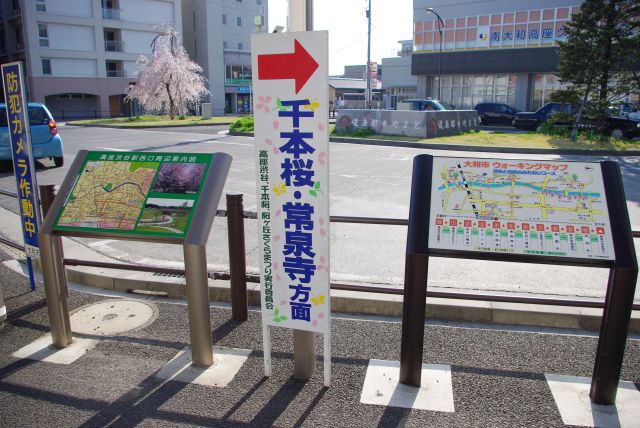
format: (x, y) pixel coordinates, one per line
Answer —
(291, 108)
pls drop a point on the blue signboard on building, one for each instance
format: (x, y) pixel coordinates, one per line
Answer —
(23, 166)
(244, 89)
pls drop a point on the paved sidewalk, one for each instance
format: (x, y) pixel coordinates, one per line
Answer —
(498, 374)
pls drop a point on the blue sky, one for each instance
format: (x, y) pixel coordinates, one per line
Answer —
(347, 25)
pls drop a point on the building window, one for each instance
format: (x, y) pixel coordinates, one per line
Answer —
(41, 6)
(237, 75)
(259, 2)
(225, 45)
(239, 21)
(43, 35)
(46, 66)
(239, 46)
(224, 19)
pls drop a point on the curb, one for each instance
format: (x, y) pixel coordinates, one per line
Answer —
(145, 126)
(518, 150)
(360, 303)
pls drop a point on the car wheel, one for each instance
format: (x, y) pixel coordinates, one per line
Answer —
(617, 133)
(58, 161)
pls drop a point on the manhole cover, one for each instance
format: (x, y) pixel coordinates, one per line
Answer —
(112, 317)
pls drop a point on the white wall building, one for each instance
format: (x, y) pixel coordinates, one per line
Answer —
(217, 35)
(80, 55)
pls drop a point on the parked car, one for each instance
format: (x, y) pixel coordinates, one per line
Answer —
(496, 113)
(531, 120)
(423, 105)
(623, 127)
(45, 140)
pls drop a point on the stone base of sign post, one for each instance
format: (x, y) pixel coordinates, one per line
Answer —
(571, 394)
(304, 354)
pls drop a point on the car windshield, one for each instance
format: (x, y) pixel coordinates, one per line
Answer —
(443, 105)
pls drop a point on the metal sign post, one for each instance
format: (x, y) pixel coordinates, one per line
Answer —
(292, 145)
(23, 165)
(170, 198)
(565, 213)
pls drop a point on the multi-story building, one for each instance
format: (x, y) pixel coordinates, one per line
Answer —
(501, 50)
(80, 55)
(217, 35)
(397, 82)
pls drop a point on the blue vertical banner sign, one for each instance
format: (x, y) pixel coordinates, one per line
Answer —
(23, 166)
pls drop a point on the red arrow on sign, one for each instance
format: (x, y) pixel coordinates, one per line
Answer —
(298, 65)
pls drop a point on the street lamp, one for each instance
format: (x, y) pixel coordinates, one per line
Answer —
(440, 26)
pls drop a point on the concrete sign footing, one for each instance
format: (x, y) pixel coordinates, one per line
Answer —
(226, 364)
(571, 394)
(381, 387)
(42, 349)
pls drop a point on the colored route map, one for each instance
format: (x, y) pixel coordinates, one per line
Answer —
(520, 206)
(109, 195)
(136, 193)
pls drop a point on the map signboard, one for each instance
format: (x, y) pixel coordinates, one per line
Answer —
(530, 207)
(292, 159)
(135, 193)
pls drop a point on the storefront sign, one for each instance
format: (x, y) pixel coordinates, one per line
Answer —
(514, 206)
(135, 193)
(291, 129)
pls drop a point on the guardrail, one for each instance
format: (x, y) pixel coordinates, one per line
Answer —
(237, 256)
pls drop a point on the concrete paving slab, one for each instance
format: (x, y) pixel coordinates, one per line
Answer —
(382, 387)
(42, 349)
(227, 362)
(571, 394)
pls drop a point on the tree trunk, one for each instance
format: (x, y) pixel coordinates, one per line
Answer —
(172, 107)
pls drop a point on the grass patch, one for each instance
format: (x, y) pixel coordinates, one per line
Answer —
(148, 120)
(244, 124)
(527, 140)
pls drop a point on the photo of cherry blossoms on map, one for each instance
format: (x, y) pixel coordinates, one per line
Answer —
(165, 215)
(182, 178)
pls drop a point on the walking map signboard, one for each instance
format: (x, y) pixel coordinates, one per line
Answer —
(533, 207)
(135, 193)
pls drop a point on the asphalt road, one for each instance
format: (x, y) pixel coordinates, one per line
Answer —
(369, 181)
(497, 373)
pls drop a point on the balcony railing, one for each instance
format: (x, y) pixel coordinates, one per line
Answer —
(108, 13)
(113, 46)
(116, 73)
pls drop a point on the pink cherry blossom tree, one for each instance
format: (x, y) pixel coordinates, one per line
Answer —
(168, 80)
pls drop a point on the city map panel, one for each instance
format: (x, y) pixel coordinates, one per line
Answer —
(136, 193)
(515, 206)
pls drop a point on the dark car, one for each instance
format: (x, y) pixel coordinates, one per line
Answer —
(496, 113)
(622, 127)
(531, 120)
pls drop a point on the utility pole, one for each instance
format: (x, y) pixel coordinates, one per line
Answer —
(368, 66)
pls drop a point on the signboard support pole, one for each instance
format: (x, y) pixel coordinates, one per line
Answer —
(195, 266)
(304, 354)
(304, 342)
(416, 270)
(620, 292)
(55, 287)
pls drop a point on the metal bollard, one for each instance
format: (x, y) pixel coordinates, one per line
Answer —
(47, 195)
(237, 258)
